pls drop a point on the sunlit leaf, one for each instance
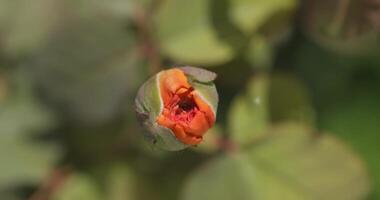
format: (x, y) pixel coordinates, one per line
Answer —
(260, 53)
(78, 186)
(276, 99)
(185, 33)
(250, 15)
(225, 178)
(248, 118)
(291, 164)
(120, 183)
(301, 165)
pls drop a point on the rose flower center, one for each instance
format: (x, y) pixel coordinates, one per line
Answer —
(184, 111)
(182, 107)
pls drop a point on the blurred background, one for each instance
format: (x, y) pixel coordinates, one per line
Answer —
(299, 108)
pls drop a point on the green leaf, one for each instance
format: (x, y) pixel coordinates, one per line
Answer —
(122, 9)
(250, 15)
(299, 165)
(88, 88)
(26, 25)
(10, 196)
(185, 33)
(225, 178)
(78, 186)
(24, 159)
(291, 164)
(356, 121)
(117, 9)
(4, 87)
(120, 183)
(248, 117)
(289, 100)
(260, 53)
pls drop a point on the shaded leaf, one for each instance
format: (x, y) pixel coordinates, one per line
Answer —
(4, 87)
(185, 33)
(25, 25)
(289, 100)
(356, 122)
(24, 159)
(88, 88)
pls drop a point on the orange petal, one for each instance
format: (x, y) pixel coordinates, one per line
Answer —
(205, 108)
(199, 125)
(185, 138)
(170, 81)
(164, 121)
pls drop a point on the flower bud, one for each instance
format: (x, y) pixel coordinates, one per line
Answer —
(177, 107)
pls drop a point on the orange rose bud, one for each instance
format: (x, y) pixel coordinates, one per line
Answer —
(187, 100)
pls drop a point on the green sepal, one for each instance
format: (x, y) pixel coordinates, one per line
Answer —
(148, 107)
(208, 92)
(199, 74)
(202, 81)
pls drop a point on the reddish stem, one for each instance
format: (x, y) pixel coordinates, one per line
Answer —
(51, 184)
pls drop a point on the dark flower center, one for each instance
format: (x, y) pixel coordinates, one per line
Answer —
(186, 104)
(182, 107)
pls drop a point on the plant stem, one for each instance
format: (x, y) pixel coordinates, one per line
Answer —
(51, 184)
(142, 18)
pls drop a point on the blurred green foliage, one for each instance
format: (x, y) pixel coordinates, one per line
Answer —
(298, 81)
